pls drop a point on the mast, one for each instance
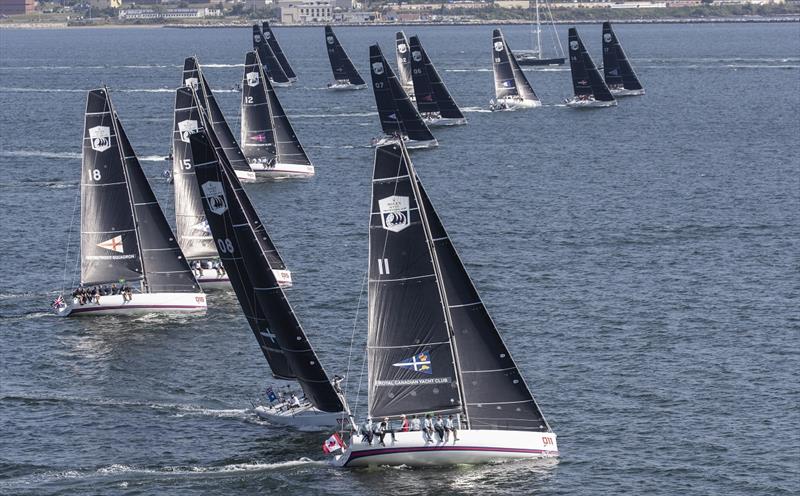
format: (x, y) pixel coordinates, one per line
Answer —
(244, 261)
(538, 32)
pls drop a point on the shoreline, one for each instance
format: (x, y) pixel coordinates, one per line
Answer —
(488, 22)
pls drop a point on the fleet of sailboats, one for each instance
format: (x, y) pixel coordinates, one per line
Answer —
(445, 357)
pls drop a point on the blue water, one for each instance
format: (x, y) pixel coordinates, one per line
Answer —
(641, 263)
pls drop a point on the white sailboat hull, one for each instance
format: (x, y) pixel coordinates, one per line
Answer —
(281, 170)
(210, 279)
(625, 92)
(509, 104)
(472, 447)
(305, 417)
(592, 103)
(246, 176)
(345, 85)
(169, 303)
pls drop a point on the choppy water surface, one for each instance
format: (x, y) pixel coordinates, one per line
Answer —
(641, 261)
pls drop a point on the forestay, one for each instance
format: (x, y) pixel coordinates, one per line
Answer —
(252, 277)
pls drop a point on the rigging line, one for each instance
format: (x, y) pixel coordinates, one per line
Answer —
(353, 335)
(69, 236)
(360, 381)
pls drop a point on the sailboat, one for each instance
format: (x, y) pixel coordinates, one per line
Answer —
(434, 102)
(278, 51)
(266, 307)
(224, 140)
(272, 66)
(590, 89)
(404, 64)
(511, 88)
(536, 55)
(619, 75)
(432, 347)
(398, 116)
(125, 237)
(345, 75)
(268, 140)
(191, 226)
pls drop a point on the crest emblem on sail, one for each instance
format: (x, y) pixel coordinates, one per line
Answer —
(187, 128)
(498, 46)
(113, 244)
(257, 38)
(100, 137)
(377, 68)
(203, 227)
(573, 45)
(402, 48)
(267, 35)
(607, 37)
(418, 363)
(416, 55)
(215, 196)
(193, 83)
(395, 214)
(330, 40)
(252, 79)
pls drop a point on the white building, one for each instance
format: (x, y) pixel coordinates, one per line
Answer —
(300, 13)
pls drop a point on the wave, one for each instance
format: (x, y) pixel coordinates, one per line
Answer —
(475, 109)
(352, 114)
(152, 158)
(39, 153)
(482, 69)
(220, 66)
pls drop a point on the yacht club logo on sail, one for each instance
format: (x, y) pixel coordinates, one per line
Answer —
(192, 82)
(421, 363)
(607, 37)
(100, 138)
(574, 45)
(187, 128)
(215, 196)
(330, 40)
(377, 68)
(257, 38)
(252, 79)
(114, 244)
(416, 55)
(395, 214)
(402, 48)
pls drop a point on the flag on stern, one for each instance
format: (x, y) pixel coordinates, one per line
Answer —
(333, 443)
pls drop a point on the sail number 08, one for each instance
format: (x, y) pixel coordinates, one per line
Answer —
(225, 245)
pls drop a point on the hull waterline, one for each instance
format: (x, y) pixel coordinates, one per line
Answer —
(303, 418)
(166, 303)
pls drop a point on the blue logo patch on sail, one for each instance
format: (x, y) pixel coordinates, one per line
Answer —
(418, 363)
(508, 83)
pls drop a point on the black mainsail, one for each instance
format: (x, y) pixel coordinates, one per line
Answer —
(586, 79)
(276, 49)
(341, 65)
(272, 66)
(509, 80)
(224, 140)
(124, 234)
(411, 363)
(417, 281)
(404, 63)
(398, 115)
(267, 135)
(194, 235)
(617, 70)
(422, 69)
(252, 277)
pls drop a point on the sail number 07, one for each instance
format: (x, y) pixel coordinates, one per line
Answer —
(225, 245)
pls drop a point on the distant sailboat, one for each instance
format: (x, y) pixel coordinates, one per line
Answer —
(433, 100)
(619, 75)
(590, 89)
(278, 51)
(265, 305)
(399, 117)
(511, 88)
(432, 347)
(345, 75)
(272, 66)
(536, 55)
(404, 64)
(268, 139)
(224, 140)
(194, 233)
(125, 237)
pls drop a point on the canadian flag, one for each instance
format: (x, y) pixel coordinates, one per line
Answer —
(333, 443)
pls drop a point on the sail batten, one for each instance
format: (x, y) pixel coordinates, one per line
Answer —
(221, 196)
